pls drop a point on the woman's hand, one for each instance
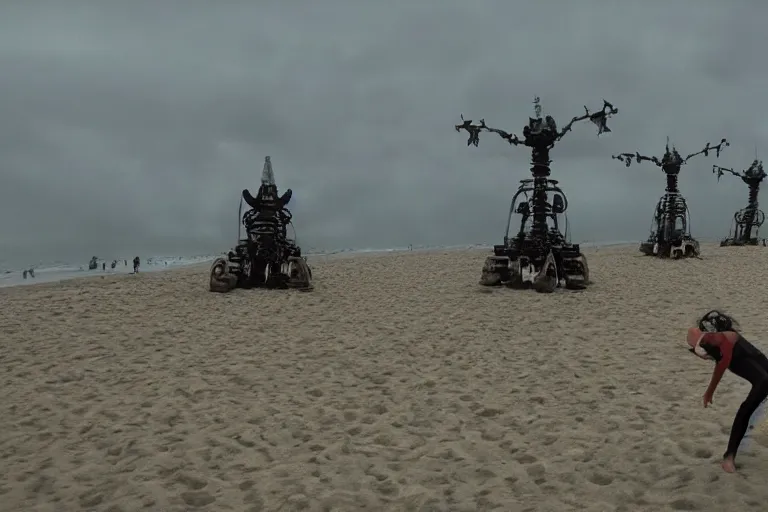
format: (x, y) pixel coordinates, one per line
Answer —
(707, 398)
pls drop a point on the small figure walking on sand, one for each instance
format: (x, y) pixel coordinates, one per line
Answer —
(104, 266)
(25, 274)
(136, 262)
(717, 338)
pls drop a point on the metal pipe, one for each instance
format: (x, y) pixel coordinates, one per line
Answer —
(239, 219)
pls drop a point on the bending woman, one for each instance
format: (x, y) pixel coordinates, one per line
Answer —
(717, 338)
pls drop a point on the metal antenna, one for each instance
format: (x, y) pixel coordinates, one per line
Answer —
(537, 107)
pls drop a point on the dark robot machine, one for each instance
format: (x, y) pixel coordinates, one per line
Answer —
(265, 257)
(671, 226)
(747, 221)
(539, 255)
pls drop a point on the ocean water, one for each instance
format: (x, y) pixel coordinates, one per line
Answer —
(59, 271)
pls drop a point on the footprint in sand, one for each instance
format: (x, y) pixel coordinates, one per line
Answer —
(197, 498)
(601, 479)
(485, 474)
(703, 453)
(511, 480)
(246, 484)
(526, 458)
(694, 450)
(548, 439)
(509, 446)
(489, 412)
(91, 499)
(683, 504)
(192, 482)
(378, 409)
(387, 488)
(537, 472)
(492, 433)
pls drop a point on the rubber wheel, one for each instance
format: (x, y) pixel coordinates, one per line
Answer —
(545, 284)
(302, 278)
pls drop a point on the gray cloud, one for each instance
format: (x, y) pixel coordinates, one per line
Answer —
(131, 127)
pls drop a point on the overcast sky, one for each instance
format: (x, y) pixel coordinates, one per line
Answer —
(130, 127)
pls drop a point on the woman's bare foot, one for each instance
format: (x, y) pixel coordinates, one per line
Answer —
(728, 465)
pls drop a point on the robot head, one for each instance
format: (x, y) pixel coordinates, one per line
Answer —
(268, 191)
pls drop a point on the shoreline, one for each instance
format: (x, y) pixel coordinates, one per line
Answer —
(46, 276)
(12, 279)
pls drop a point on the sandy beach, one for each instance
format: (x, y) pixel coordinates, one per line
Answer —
(398, 384)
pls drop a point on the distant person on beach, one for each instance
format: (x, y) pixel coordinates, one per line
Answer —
(104, 266)
(126, 262)
(31, 272)
(717, 338)
(25, 274)
(136, 262)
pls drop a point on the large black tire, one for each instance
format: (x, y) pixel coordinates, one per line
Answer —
(245, 277)
(221, 281)
(647, 248)
(581, 280)
(544, 283)
(300, 275)
(489, 278)
(495, 269)
(252, 272)
(513, 278)
(585, 267)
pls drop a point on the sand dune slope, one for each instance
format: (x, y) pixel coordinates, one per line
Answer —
(397, 384)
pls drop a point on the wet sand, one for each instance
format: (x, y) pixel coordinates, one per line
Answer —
(397, 384)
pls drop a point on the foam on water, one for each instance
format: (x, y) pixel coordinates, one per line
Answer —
(59, 271)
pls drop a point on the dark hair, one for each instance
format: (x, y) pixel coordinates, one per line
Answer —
(717, 321)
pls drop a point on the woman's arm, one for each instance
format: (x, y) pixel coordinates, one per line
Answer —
(725, 344)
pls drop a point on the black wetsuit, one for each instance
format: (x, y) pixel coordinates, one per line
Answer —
(750, 364)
